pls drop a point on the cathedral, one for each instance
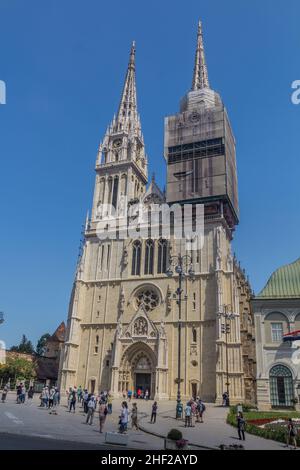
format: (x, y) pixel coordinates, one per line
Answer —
(136, 321)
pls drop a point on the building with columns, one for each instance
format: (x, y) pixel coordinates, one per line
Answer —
(277, 313)
(122, 330)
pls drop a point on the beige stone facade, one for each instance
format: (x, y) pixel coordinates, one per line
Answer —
(122, 330)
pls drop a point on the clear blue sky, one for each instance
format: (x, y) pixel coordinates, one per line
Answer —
(64, 63)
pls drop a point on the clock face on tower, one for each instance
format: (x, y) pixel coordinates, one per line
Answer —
(117, 143)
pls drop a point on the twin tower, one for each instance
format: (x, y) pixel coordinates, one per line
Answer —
(122, 328)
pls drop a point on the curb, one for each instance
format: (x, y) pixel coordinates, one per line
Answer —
(153, 433)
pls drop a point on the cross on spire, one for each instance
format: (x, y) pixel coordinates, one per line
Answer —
(200, 77)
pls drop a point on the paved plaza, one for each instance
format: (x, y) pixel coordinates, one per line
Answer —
(68, 430)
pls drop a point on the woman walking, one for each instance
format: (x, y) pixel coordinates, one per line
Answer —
(134, 417)
(154, 412)
(291, 434)
(102, 414)
(241, 423)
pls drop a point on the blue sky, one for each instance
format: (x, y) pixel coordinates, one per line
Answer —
(64, 64)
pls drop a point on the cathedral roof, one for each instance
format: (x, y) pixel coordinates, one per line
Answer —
(284, 283)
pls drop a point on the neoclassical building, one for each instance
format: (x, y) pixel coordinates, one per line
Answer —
(122, 330)
(277, 312)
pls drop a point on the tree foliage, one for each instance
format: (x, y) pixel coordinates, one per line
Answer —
(17, 367)
(25, 346)
(41, 344)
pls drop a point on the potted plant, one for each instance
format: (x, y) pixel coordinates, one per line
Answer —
(174, 441)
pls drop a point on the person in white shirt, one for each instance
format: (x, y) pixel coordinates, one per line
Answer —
(91, 410)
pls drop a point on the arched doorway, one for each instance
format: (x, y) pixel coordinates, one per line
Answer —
(281, 386)
(137, 369)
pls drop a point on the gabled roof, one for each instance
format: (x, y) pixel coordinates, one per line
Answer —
(59, 333)
(284, 283)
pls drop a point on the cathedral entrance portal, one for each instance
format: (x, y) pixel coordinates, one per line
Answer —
(138, 369)
(143, 383)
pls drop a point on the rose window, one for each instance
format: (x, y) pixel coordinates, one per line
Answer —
(148, 298)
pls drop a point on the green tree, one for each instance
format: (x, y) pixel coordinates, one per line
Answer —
(25, 346)
(17, 368)
(40, 347)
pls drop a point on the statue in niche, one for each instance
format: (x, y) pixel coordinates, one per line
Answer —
(140, 327)
(162, 331)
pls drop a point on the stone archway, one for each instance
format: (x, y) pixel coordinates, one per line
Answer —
(138, 369)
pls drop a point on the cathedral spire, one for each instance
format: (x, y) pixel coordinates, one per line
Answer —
(200, 77)
(127, 112)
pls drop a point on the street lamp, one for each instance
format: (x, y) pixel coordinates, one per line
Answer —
(183, 267)
(225, 328)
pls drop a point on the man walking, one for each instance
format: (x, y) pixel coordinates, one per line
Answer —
(91, 410)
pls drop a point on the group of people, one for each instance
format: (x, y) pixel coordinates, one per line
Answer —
(49, 397)
(90, 402)
(194, 409)
(138, 394)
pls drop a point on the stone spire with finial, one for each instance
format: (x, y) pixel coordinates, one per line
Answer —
(200, 77)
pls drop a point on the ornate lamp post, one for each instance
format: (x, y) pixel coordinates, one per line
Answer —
(183, 267)
(225, 328)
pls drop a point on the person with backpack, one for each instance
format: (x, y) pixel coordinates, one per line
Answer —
(91, 410)
(291, 434)
(201, 409)
(241, 425)
(154, 412)
(102, 414)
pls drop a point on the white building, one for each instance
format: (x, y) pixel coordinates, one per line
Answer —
(277, 312)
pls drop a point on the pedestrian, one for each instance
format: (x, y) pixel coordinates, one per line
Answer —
(85, 401)
(147, 395)
(23, 393)
(79, 394)
(129, 395)
(291, 434)
(201, 410)
(30, 394)
(139, 391)
(51, 397)
(188, 411)
(102, 414)
(134, 417)
(72, 401)
(109, 403)
(241, 424)
(225, 399)
(45, 397)
(4, 393)
(57, 396)
(154, 412)
(123, 423)
(19, 391)
(91, 410)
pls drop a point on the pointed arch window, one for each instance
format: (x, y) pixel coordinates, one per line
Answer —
(194, 332)
(162, 256)
(115, 191)
(149, 257)
(136, 258)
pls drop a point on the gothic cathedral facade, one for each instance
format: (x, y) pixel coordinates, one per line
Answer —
(122, 330)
